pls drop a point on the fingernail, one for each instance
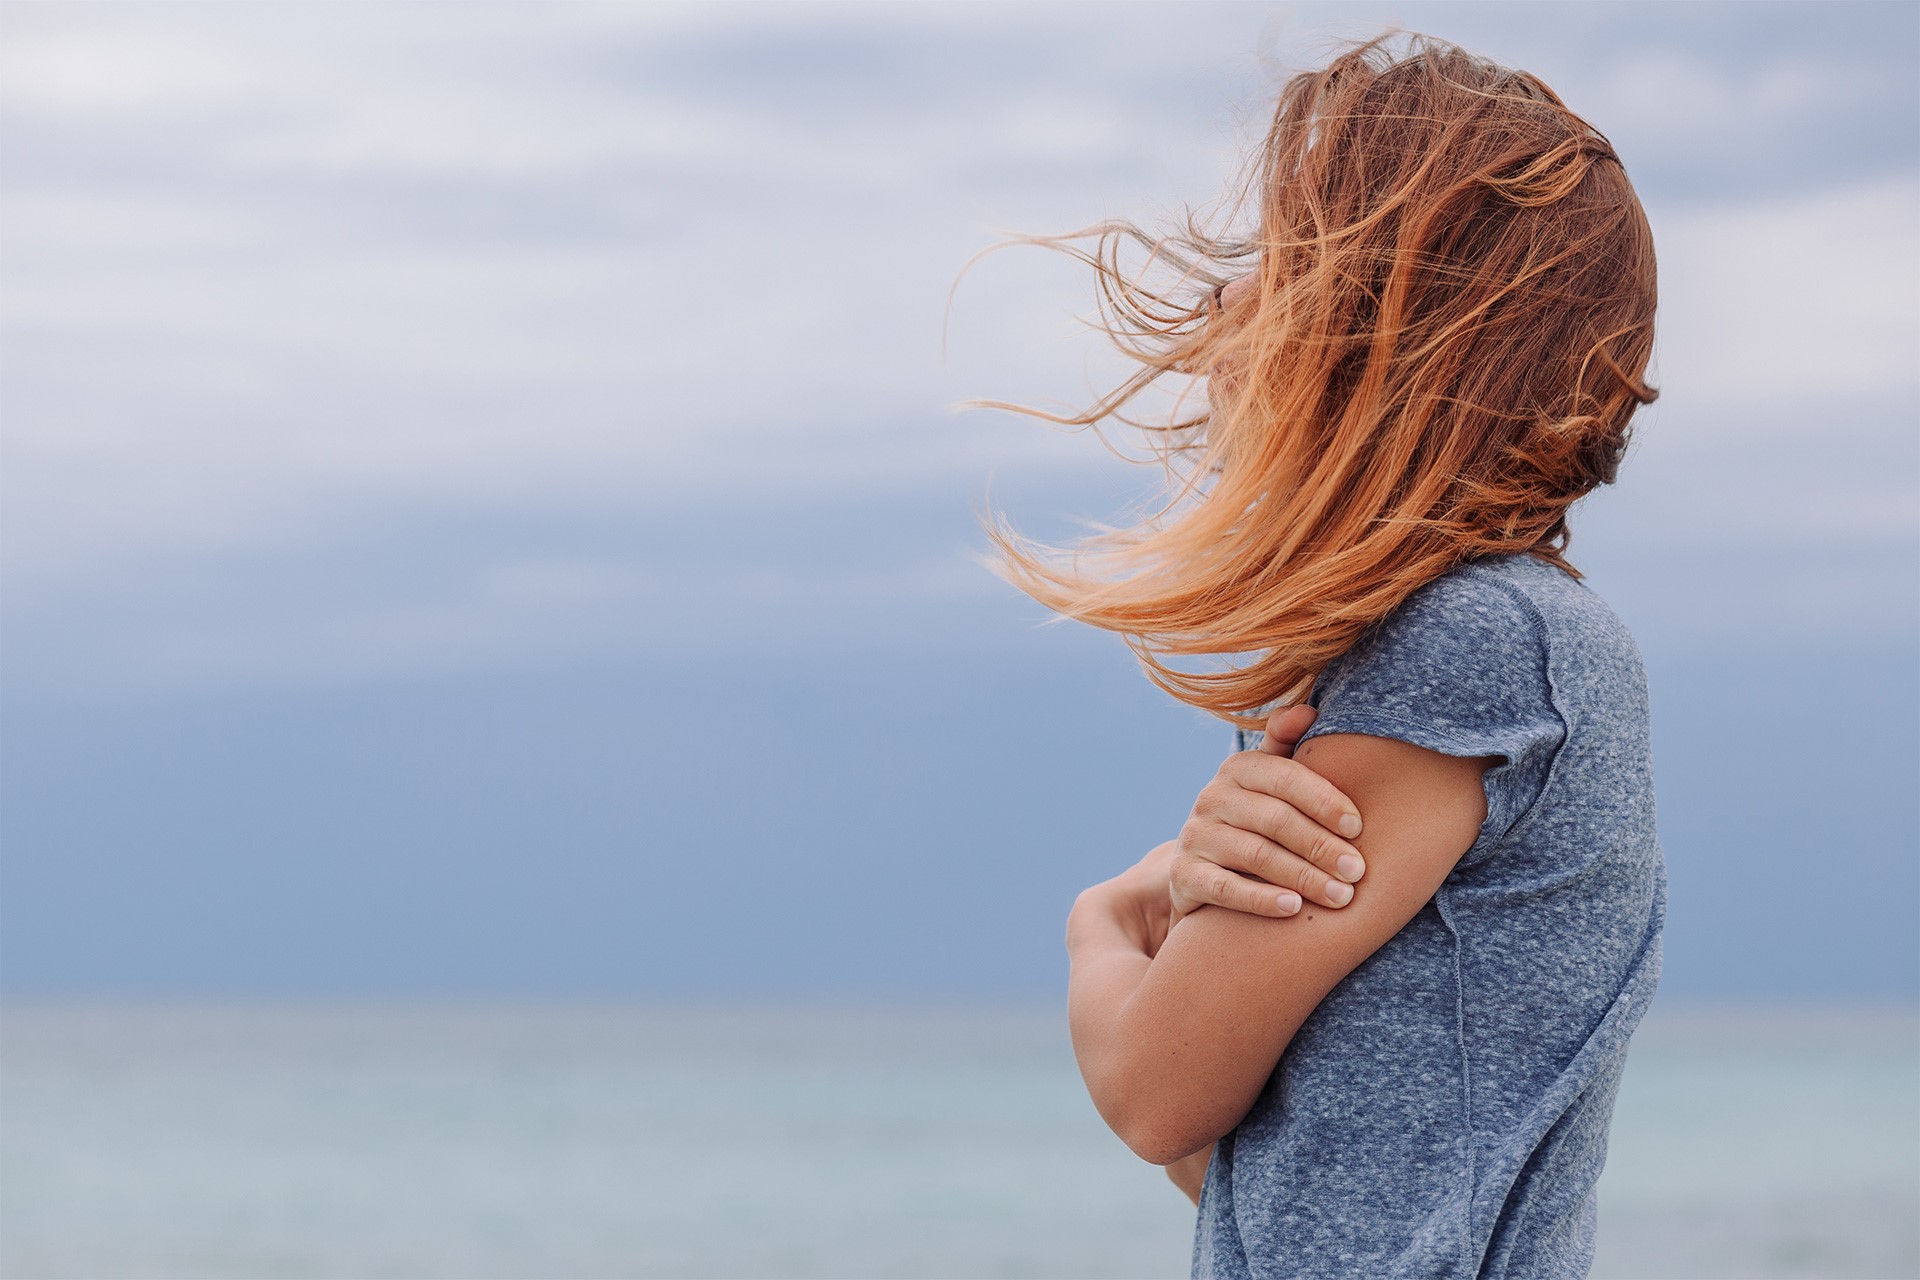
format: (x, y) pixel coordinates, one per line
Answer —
(1350, 825)
(1351, 868)
(1289, 903)
(1339, 892)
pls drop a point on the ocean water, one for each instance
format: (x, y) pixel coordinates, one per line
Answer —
(604, 1142)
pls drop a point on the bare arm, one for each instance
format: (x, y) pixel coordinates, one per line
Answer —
(1189, 1173)
(1175, 1045)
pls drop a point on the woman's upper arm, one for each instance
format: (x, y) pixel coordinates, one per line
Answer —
(1228, 990)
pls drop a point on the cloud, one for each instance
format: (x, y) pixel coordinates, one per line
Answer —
(283, 281)
(1707, 102)
(1812, 295)
(431, 608)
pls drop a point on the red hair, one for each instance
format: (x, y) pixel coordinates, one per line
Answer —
(1447, 331)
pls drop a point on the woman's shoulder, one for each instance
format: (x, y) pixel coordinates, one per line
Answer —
(1461, 667)
(1583, 641)
(1498, 638)
(1499, 595)
(1482, 620)
(1508, 612)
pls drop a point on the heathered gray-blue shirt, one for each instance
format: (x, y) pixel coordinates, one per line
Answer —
(1444, 1111)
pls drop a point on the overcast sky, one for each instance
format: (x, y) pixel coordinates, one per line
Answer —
(451, 449)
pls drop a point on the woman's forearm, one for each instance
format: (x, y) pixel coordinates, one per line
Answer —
(1176, 1041)
(1189, 1173)
(1107, 963)
(1134, 1059)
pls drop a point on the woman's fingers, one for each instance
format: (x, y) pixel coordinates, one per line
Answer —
(1299, 786)
(1293, 832)
(1286, 727)
(1197, 881)
(1266, 835)
(1221, 846)
(1277, 863)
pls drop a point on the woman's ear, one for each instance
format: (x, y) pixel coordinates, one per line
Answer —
(1237, 291)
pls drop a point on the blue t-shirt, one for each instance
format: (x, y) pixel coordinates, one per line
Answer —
(1444, 1111)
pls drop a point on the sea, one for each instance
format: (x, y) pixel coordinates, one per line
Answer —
(592, 1143)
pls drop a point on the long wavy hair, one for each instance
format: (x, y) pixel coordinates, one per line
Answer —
(1444, 335)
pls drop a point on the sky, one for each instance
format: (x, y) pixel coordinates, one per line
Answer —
(486, 513)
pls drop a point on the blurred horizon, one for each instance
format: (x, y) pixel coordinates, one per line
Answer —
(483, 518)
(559, 1142)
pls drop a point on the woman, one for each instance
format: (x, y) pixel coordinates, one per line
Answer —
(1431, 348)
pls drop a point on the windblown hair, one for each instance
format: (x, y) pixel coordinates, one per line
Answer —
(1447, 331)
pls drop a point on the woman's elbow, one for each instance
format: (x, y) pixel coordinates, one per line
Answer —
(1162, 1133)
(1165, 1143)
(1160, 1107)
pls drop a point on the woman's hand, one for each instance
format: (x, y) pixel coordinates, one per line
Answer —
(1266, 833)
(1136, 901)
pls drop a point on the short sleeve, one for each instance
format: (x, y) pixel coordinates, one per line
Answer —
(1460, 668)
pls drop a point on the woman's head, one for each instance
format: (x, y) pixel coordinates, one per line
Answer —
(1437, 331)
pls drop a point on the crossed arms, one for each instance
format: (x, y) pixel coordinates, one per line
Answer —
(1178, 1023)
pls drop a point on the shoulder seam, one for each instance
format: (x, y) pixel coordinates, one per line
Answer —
(1537, 623)
(1465, 1052)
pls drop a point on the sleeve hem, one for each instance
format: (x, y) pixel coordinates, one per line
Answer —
(1494, 784)
(1446, 742)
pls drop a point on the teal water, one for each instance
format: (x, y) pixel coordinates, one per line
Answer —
(550, 1142)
